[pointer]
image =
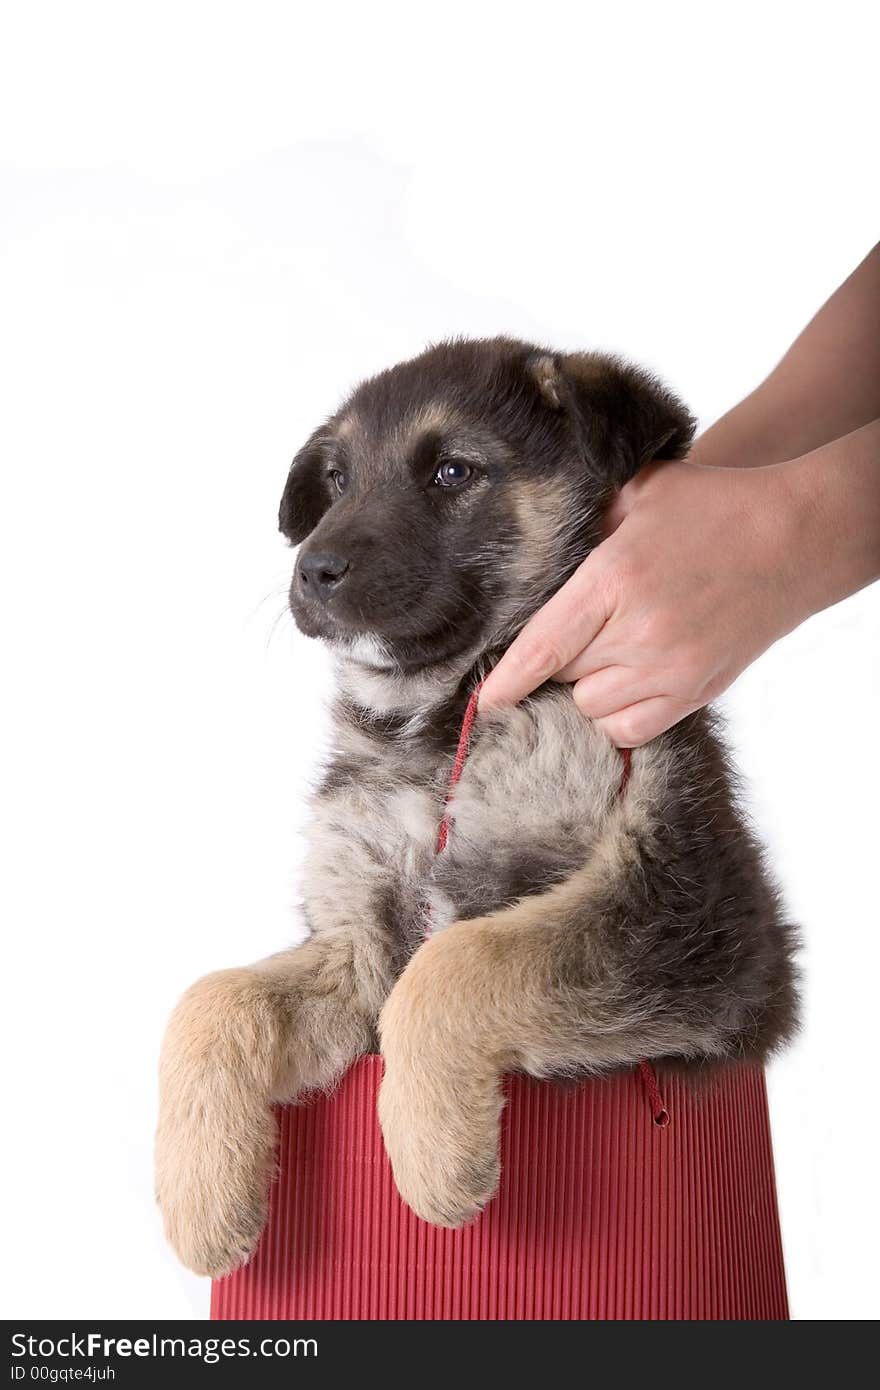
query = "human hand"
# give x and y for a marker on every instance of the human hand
(698, 576)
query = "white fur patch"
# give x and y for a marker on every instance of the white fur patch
(387, 690)
(368, 650)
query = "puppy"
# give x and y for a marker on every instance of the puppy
(575, 929)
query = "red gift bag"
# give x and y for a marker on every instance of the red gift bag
(617, 1200)
(601, 1214)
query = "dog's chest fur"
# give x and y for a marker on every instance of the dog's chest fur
(654, 900)
(537, 785)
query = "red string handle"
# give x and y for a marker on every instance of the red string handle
(649, 1079)
(461, 752)
(659, 1113)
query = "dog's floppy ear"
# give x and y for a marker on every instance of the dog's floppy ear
(621, 416)
(306, 495)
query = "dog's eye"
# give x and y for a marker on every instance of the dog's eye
(453, 473)
(339, 479)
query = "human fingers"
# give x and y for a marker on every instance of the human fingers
(566, 624)
(613, 688)
(603, 653)
(640, 722)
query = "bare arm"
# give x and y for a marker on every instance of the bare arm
(708, 563)
(826, 385)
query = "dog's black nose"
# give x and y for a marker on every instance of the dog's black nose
(321, 572)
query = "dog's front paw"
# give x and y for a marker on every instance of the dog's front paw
(211, 1186)
(445, 1167)
(216, 1136)
(439, 1104)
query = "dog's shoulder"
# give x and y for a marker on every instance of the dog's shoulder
(540, 759)
(541, 772)
(535, 789)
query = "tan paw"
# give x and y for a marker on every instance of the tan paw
(440, 1102)
(445, 1168)
(212, 1187)
(216, 1136)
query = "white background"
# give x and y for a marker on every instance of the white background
(214, 220)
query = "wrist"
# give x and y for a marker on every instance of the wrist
(800, 537)
(780, 534)
(829, 508)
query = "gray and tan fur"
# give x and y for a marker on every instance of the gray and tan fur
(575, 930)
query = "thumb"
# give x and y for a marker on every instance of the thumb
(616, 512)
(623, 501)
(549, 641)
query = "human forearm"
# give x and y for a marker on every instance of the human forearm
(826, 386)
(835, 497)
(706, 568)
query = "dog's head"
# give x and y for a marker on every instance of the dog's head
(452, 494)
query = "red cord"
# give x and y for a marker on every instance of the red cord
(649, 1080)
(655, 1100)
(461, 753)
(626, 756)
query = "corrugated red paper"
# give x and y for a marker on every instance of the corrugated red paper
(600, 1214)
